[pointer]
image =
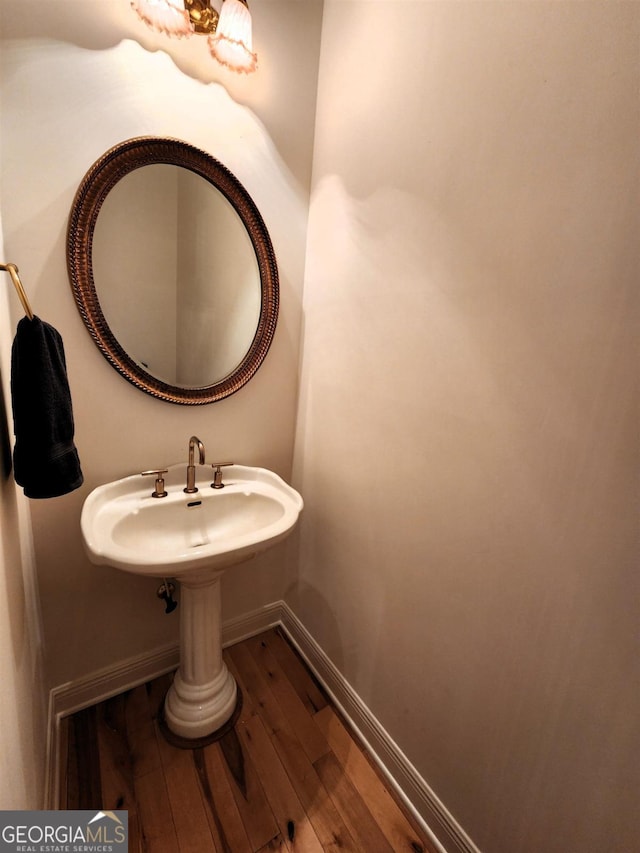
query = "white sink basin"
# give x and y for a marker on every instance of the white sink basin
(192, 537)
(125, 527)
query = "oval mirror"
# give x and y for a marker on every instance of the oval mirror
(173, 270)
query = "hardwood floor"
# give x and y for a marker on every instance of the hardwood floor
(288, 777)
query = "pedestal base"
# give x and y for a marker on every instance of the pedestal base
(194, 711)
(198, 743)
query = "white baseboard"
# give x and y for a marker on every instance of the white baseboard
(91, 689)
(447, 835)
(434, 818)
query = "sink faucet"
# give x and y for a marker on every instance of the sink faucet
(191, 467)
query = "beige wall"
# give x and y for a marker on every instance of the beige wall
(467, 437)
(23, 705)
(76, 81)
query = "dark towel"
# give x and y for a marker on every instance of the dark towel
(45, 459)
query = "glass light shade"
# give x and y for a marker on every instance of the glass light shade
(164, 16)
(232, 44)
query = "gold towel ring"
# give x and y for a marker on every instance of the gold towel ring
(12, 269)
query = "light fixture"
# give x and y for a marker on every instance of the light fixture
(231, 43)
(229, 33)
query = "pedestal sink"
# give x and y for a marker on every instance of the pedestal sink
(194, 538)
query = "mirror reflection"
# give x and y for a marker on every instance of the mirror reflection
(184, 297)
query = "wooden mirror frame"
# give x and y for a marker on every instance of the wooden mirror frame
(115, 164)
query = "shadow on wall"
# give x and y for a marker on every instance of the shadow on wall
(5, 442)
(14, 593)
(304, 598)
(81, 24)
(104, 26)
(24, 711)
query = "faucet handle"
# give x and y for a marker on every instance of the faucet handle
(217, 474)
(159, 491)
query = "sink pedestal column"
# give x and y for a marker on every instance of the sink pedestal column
(204, 695)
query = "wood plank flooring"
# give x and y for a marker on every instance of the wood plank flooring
(288, 777)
